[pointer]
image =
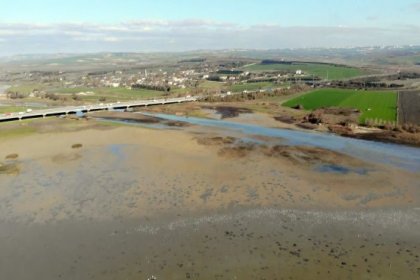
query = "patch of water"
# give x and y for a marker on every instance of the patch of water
(400, 156)
(139, 123)
(339, 169)
(3, 88)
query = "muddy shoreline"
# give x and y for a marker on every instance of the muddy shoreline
(337, 121)
(247, 245)
(131, 201)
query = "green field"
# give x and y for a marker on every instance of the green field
(11, 109)
(381, 105)
(206, 85)
(26, 88)
(250, 86)
(211, 85)
(323, 71)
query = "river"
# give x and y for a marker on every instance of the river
(400, 156)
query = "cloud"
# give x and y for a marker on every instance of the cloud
(189, 34)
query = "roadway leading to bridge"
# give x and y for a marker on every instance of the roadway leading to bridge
(59, 111)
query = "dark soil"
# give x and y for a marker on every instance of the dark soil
(285, 119)
(229, 111)
(216, 141)
(409, 107)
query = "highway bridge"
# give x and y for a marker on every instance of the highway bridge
(60, 111)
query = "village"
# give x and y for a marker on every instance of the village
(180, 79)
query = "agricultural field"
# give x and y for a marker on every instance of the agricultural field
(379, 105)
(409, 107)
(323, 71)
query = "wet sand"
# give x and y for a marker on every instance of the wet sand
(132, 202)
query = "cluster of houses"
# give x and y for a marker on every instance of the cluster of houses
(176, 77)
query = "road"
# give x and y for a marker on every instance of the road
(58, 111)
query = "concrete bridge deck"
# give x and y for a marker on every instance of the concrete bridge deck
(58, 111)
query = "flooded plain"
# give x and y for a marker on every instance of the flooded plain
(203, 202)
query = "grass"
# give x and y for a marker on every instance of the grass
(111, 94)
(381, 105)
(322, 71)
(11, 109)
(7, 132)
(206, 85)
(211, 85)
(250, 86)
(26, 88)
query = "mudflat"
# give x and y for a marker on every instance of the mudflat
(129, 202)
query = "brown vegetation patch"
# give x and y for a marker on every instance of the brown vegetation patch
(307, 126)
(216, 141)
(229, 111)
(396, 137)
(238, 151)
(340, 129)
(76, 146)
(286, 119)
(12, 156)
(177, 124)
(332, 116)
(308, 155)
(9, 169)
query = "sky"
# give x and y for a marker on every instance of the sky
(77, 26)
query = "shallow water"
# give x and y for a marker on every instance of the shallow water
(123, 211)
(399, 156)
(334, 168)
(3, 88)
